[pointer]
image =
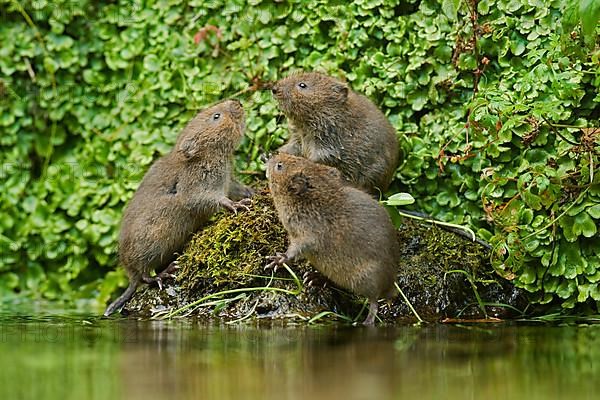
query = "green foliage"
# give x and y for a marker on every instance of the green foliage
(93, 92)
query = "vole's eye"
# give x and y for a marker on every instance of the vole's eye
(279, 166)
(302, 85)
(216, 116)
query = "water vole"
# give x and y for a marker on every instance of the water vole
(343, 232)
(333, 125)
(179, 193)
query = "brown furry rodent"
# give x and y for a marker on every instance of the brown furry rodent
(340, 230)
(332, 125)
(180, 192)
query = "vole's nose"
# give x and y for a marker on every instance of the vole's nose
(235, 107)
(275, 90)
(264, 157)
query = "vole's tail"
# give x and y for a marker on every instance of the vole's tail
(122, 299)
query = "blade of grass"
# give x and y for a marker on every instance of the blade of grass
(416, 314)
(323, 314)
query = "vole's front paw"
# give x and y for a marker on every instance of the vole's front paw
(314, 279)
(276, 261)
(234, 206)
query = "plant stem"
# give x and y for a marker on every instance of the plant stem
(557, 218)
(416, 314)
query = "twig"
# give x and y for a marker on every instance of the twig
(458, 229)
(30, 70)
(553, 127)
(559, 217)
(472, 4)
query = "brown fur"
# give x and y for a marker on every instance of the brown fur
(332, 125)
(179, 193)
(341, 231)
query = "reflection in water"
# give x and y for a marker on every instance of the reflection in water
(89, 358)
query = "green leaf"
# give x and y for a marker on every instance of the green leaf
(531, 244)
(528, 275)
(566, 223)
(9, 280)
(595, 292)
(151, 63)
(572, 260)
(566, 289)
(450, 8)
(534, 201)
(584, 292)
(399, 199)
(594, 211)
(526, 216)
(589, 11)
(584, 224)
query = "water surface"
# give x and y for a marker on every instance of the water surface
(85, 357)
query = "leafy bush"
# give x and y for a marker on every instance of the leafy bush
(495, 102)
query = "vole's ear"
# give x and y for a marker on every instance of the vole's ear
(188, 147)
(340, 90)
(298, 184)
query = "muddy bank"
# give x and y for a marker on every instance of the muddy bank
(441, 274)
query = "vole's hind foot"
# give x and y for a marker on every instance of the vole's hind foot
(153, 279)
(373, 307)
(314, 279)
(276, 261)
(167, 273)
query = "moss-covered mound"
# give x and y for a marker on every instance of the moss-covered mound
(222, 276)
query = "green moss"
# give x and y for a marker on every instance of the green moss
(430, 255)
(232, 251)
